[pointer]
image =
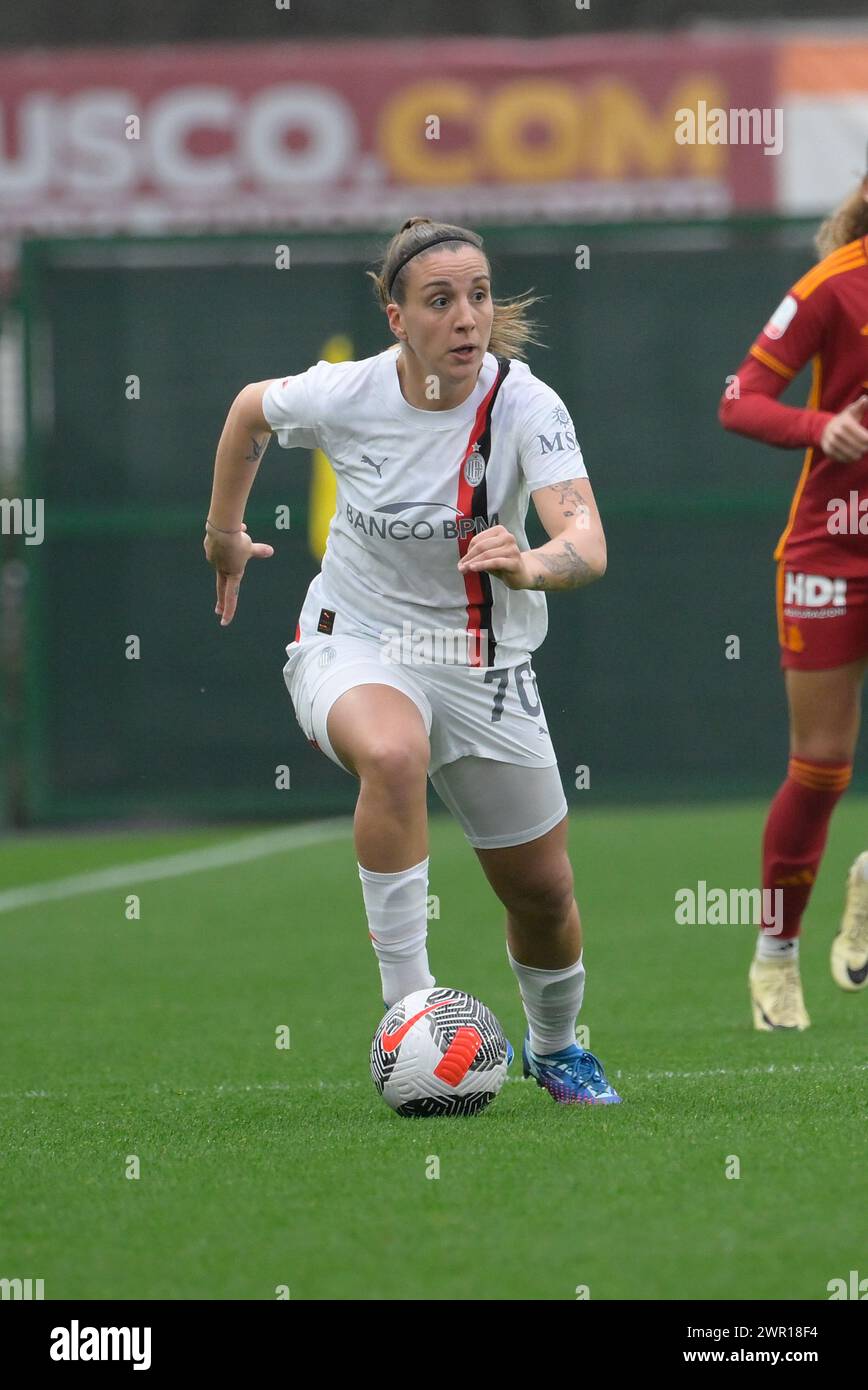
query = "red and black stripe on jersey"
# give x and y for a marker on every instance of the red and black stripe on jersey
(472, 501)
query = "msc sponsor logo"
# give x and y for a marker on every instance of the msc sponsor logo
(557, 444)
(451, 528)
(815, 591)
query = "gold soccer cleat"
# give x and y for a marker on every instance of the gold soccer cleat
(849, 960)
(776, 995)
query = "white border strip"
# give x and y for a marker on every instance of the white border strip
(194, 861)
(344, 1084)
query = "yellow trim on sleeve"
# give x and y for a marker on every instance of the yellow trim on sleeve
(848, 257)
(769, 361)
(813, 402)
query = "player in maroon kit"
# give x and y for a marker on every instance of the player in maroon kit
(822, 593)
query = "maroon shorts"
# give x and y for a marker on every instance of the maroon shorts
(822, 618)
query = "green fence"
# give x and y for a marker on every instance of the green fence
(634, 673)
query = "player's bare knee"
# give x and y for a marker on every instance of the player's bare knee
(397, 766)
(824, 750)
(546, 898)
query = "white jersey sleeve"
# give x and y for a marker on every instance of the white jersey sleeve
(290, 407)
(548, 450)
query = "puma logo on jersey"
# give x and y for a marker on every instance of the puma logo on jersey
(371, 464)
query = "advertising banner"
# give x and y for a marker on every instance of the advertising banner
(352, 134)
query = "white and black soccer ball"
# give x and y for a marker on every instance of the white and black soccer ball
(439, 1052)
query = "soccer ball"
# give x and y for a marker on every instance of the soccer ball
(439, 1052)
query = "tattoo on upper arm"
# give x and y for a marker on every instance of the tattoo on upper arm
(564, 563)
(573, 508)
(568, 498)
(258, 445)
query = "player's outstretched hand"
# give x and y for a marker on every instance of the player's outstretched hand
(844, 438)
(229, 556)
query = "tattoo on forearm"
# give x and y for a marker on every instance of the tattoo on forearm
(565, 563)
(258, 445)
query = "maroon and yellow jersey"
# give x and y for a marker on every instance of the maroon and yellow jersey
(824, 320)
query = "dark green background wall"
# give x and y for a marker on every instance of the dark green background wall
(126, 21)
(634, 674)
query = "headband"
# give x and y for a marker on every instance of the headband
(441, 236)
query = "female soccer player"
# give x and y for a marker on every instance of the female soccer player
(412, 654)
(822, 592)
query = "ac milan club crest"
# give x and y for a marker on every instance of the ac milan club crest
(474, 468)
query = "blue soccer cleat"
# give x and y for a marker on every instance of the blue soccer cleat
(571, 1076)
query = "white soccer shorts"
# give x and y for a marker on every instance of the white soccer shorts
(492, 762)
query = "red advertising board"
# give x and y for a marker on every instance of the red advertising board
(366, 133)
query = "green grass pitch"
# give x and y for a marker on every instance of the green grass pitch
(262, 1168)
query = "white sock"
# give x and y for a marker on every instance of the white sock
(397, 910)
(552, 1000)
(773, 948)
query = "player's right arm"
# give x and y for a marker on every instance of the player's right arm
(795, 333)
(245, 437)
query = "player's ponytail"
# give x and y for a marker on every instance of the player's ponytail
(847, 223)
(511, 330)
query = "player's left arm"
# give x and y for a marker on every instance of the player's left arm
(574, 556)
(576, 553)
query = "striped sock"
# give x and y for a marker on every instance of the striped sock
(796, 832)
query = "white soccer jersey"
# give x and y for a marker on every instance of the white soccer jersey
(413, 487)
